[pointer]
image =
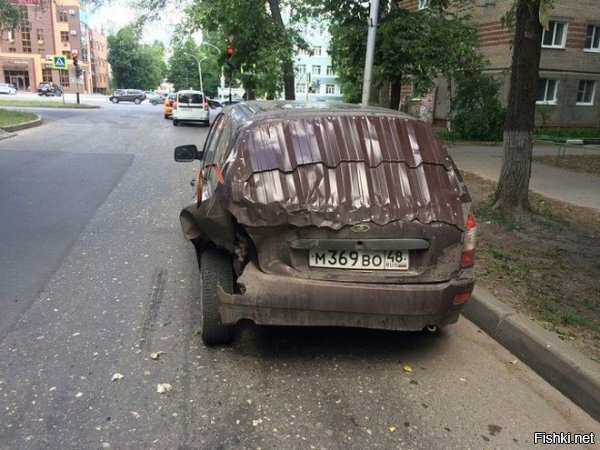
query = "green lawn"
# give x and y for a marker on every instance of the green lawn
(8, 118)
(42, 103)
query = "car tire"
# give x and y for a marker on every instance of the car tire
(115, 100)
(137, 101)
(215, 270)
(166, 116)
(175, 122)
(207, 123)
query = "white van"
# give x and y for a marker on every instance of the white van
(190, 106)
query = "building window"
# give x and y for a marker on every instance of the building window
(66, 54)
(555, 35)
(301, 68)
(330, 89)
(64, 36)
(26, 39)
(301, 88)
(585, 93)
(47, 75)
(12, 50)
(316, 70)
(317, 51)
(63, 16)
(422, 4)
(546, 93)
(302, 52)
(329, 70)
(592, 39)
(64, 78)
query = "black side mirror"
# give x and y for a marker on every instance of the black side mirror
(188, 153)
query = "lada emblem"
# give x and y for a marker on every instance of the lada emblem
(360, 228)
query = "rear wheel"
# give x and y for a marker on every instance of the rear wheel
(215, 270)
(207, 123)
(175, 122)
(166, 116)
(137, 101)
(115, 100)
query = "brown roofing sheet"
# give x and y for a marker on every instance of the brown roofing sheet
(336, 170)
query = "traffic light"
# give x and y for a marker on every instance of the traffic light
(76, 68)
(229, 51)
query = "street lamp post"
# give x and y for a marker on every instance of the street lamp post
(199, 71)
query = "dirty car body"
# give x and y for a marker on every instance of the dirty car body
(332, 215)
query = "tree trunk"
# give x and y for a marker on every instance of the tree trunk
(384, 94)
(396, 85)
(512, 193)
(449, 114)
(287, 64)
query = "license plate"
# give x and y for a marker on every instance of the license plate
(359, 259)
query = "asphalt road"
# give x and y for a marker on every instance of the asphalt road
(92, 249)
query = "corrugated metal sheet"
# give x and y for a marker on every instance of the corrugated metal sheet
(330, 171)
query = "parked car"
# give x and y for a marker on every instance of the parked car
(168, 105)
(327, 215)
(190, 106)
(235, 101)
(214, 104)
(49, 89)
(153, 97)
(6, 88)
(128, 95)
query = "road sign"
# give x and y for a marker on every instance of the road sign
(59, 62)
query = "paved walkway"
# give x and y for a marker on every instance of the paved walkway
(575, 188)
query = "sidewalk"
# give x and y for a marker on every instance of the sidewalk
(576, 188)
(558, 362)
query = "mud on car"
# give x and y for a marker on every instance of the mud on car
(327, 215)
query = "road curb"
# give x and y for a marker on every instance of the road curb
(22, 126)
(558, 362)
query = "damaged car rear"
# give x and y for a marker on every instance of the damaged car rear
(327, 215)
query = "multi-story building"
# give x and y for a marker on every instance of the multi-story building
(98, 62)
(315, 79)
(54, 28)
(568, 92)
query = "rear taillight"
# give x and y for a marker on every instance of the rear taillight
(461, 299)
(467, 258)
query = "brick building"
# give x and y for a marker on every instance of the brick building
(56, 27)
(568, 91)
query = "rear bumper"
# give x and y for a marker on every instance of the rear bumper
(280, 300)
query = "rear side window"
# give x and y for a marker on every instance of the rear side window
(191, 98)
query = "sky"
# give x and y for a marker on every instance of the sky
(117, 14)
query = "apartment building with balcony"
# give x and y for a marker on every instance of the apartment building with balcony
(59, 27)
(569, 85)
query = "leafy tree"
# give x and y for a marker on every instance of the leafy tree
(10, 16)
(478, 114)
(416, 44)
(183, 68)
(261, 39)
(135, 65)
(512, 193)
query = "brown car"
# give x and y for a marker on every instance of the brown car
(332, 215)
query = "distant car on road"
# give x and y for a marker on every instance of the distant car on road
(168, 105)
(318, 214)
(153, 97)
(190, 106)
(128, 95)
(49, 89)
(6, 88)
(235, 101)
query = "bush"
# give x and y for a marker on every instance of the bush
(478, 114)
(573, 133)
